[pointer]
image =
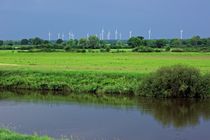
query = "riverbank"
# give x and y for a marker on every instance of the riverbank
(70, 82)
(9, 135)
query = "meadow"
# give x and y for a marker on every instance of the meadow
(127, 62)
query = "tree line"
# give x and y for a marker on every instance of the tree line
(94, 42)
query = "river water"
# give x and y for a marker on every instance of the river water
(147, 119)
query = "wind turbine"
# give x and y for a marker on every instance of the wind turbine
(49, 35)
(102, 34)
(62, 36)
(181, 34)
(120, 35)
(72, 36)
(59, 36)
(149, 33)
(69, 35)
(88, 36)
(130, 34)
(108, 35)
(116, 34)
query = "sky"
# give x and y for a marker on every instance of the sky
(36, 18)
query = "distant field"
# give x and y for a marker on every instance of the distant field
(102, 62)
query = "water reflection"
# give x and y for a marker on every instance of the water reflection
(176, 112)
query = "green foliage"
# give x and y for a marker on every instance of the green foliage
(175, 43)
(177, 50)
(105, 49)
(93, 42)
(167, 49)
(143, 49)
(68, 82)
(1, 42)
(135, 41)
(24, 42)
(175, 81)
(36, 41)
(9, 135)
(59, 41)
(196, 41)
(72, 43)
(83, 43)
(160, 43)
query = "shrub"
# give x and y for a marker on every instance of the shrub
(175, 81)
(143, 49)
(177, 50)
(167, 49)
(106, 49)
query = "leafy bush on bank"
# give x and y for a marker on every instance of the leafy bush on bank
(175, 81)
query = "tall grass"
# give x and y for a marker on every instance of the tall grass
(9, 135)
(71, 82)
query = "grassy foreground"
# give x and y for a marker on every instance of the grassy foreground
(9, 135)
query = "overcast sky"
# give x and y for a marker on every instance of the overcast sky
(30, 18)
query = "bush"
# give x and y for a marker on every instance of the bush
(106, 49)
(175, 81)
(177, 50)
(143, 49)
(167, 49)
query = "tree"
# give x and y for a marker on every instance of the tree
(135, 41)
(150, 43)
(195, 41)
(208, 42)
(59, 41)
(72, 43)
(24, 42)
(83, 43)
(93, 42)
(1, 42)
(140, 37)
(160, 43)
(10, 43)
(175, 42)
(35, 41)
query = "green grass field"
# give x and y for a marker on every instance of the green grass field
(102, 62)
(110, 73)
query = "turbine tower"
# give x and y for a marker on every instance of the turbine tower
(72, 36)
(88, 36)
(59, 36)
(116, 34)
(62, 36)
(102, 34)
(181, 34)
(120, 35)
(69, 35)
(49, 36)
(130, 34)
(108, 35)
(149, 33)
